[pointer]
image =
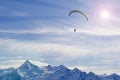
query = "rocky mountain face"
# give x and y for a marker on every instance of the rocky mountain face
(29, 71)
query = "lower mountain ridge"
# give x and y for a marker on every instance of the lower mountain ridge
(29, 71)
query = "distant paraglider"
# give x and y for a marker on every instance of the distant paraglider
(74, 30)
(78, 11)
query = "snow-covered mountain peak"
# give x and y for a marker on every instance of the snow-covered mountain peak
(91, 73)
(27, 61)
(49, 68)
(75, 69)
(27, 65)
(61, 67)
(114, 74)
(29, 71)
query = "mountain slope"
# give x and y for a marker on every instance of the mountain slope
(10, 74)
(29, 71)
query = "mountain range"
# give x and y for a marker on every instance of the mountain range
(29, 71)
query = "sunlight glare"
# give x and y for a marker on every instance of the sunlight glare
(104, 14)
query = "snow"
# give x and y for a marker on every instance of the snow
(29, 71)
(20, 73)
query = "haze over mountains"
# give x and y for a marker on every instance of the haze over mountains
(29, 71)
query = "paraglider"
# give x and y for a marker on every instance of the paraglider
(74, 30)
(78, 11)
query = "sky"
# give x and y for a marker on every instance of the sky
(41, 31)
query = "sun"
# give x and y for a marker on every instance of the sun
(104, 14)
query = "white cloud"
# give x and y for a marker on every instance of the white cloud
(42, 30)
(58, 48)
(42, 48)
(97, 28)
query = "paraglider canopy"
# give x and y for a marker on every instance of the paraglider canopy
(78, 11)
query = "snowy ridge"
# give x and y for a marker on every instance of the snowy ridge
(29, 71)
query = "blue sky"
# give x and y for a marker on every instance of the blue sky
(41, 31)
